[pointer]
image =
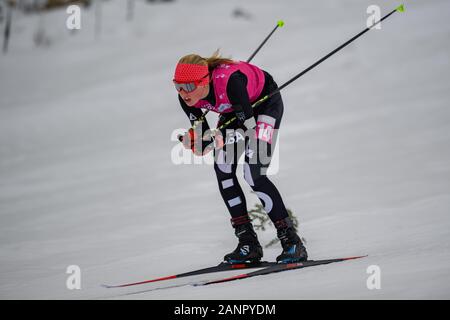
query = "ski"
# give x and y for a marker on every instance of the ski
(219, 268)
(278, 268)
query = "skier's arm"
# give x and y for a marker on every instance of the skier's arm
(190, 137)
(192, 113)
(238, 96)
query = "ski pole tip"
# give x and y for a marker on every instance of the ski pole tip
(401, 8)
(280, 23)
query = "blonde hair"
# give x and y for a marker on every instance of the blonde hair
(212, 62)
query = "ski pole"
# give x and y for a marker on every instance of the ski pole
(280, 23)
(400, 8)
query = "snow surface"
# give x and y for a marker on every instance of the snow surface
(86, 176)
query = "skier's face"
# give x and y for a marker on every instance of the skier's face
(191, 98)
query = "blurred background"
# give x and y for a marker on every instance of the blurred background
(86, 137)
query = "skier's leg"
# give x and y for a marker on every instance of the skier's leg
(229, 186)
(258, 156)
(225, 165)
(267, 192)
(255, 175)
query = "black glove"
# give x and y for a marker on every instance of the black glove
(240, 118)
(244, 122)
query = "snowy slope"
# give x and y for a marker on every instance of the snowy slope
(86, 176)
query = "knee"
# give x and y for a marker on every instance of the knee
(226, 176)
(223, 171)
(223, 167)
(254, 175)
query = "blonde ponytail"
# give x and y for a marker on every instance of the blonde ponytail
(216, 59)
(212, 62)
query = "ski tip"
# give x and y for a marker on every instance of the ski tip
(356, 257)
(400, 8)
(280, 23)
(106, 286)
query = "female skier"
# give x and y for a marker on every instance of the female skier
(229, 88)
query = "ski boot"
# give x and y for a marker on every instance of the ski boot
(293, 248)
(248, 250)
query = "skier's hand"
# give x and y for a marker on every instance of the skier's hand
(188, 139)
(244, 122)
(191, 140)
(240, 118)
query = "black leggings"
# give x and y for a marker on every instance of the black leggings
(255, 164)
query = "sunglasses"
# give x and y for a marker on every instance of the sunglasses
(188, 86)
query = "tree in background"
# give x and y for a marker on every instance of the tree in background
(261, 220)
